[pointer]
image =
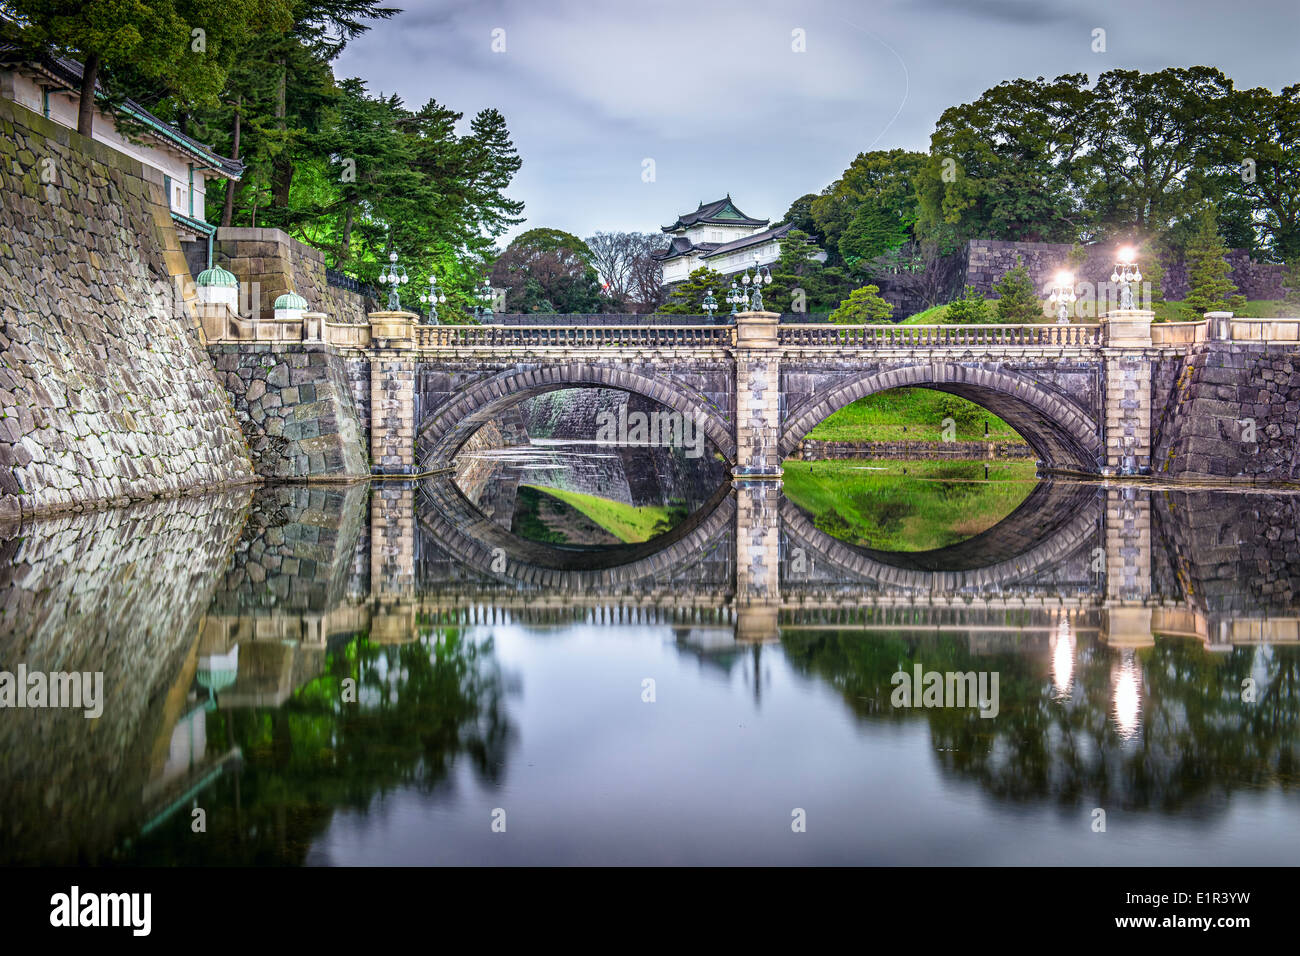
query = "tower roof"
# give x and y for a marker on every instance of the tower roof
(720, 211)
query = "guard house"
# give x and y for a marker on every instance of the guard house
(720, 236)
(51, 86)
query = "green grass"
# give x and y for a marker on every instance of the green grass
(629, 523)
(884, 416)
(938, 314)
(936, 504)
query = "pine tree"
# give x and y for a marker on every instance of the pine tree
(687, 298)
(1208, 272)
(1018, 302)
(863, 306)
(970, 309)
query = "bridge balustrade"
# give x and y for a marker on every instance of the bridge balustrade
(572, 336)
(939, 336)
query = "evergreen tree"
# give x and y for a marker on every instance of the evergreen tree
(864, 306)
(1208, 272)
(687, 296)
(1018, 302)
(970, 309)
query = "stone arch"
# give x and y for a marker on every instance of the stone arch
(446, 428)
(479, 543)
(1065, 436)
(1046, 528)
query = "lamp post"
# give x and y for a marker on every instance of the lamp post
(760, 277)
(394, 274)
(1126, 273)
(735, 297)
(433, 297)
(484, 295)
(1063, 297)
(710, 304)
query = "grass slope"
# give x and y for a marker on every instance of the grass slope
(936, 504)
(921, 411)
(628, 523)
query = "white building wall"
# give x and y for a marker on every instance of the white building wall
(63, 110)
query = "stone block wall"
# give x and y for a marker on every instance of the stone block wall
(988, 260)
(1232, 414)
(295, 407)
(277, 264)
(106, 394)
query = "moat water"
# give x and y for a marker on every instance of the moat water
(374, 675)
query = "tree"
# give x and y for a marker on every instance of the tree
(153, 40)
(970, 309)
(548, 270)
(1150, 137)
(623, 259)
(871, 233)
(1006, 165)
(1260, 152)
(863, 306)
(1210, 287)
(1018, 302)
(880, 180)
(687, 296)
(800, 216)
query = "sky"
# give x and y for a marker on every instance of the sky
(627, 113)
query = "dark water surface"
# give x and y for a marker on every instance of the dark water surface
(375, 674)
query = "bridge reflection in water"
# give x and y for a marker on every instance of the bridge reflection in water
(234, 622)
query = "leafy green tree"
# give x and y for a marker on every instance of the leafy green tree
(1018, 302)
(970, 309)
(871, 233)
(800, 216)
(1150, 137)
(686, 296)
(881, 180)
(864, 306)
(548, 270)
(1210, 287)
(1007, 165)
(184, 46)
(1260, 151)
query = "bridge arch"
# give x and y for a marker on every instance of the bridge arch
(1049, 526)
(479, 543)
(1064, 436)
(447, 427)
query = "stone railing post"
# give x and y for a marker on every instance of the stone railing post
(392, 393)
(1218, 326)
(758, 396)
(1127, 337)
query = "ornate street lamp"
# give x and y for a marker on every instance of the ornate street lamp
(758, 280)
(395, 275)
(1063, 297)
(433, 297)
(484, 295)
(735, 297)
(710, 304)
(1126, 273)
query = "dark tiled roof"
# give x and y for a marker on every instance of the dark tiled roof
(681, 246)
(776, 232)
(68, 72)
(715, 212)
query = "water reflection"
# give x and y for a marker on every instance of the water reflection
(363, 674)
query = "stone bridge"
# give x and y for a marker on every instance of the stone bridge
(1214, 398)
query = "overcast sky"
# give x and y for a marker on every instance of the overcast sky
(714, 94)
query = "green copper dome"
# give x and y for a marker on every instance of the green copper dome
(218, 277)
(291, 300)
